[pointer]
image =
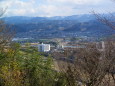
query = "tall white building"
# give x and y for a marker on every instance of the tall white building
(44, 47)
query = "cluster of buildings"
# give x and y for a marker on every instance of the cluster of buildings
(47, 47)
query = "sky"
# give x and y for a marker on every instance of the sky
(49, 8)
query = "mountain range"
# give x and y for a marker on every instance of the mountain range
(50, 27)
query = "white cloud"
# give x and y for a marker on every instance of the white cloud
(54, 7)
(18, 7)
(52, 10)
(76, 1)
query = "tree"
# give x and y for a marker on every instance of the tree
(110, 21)
(10, 70)
(90, 66)
(6, 33)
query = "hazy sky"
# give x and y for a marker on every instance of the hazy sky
(55, 7)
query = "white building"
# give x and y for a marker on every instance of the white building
(44, 47)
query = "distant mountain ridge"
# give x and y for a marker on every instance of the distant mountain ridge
(22, 19)
(67, 26)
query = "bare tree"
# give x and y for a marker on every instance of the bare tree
(2, 11)
(90, 66)
(110, 21)
(6, 33)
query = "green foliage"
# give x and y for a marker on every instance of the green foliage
(27, 67)
(10, 73)
(38, 69)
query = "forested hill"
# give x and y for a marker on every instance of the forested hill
(70, 26)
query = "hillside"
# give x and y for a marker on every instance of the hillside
(48, 27)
